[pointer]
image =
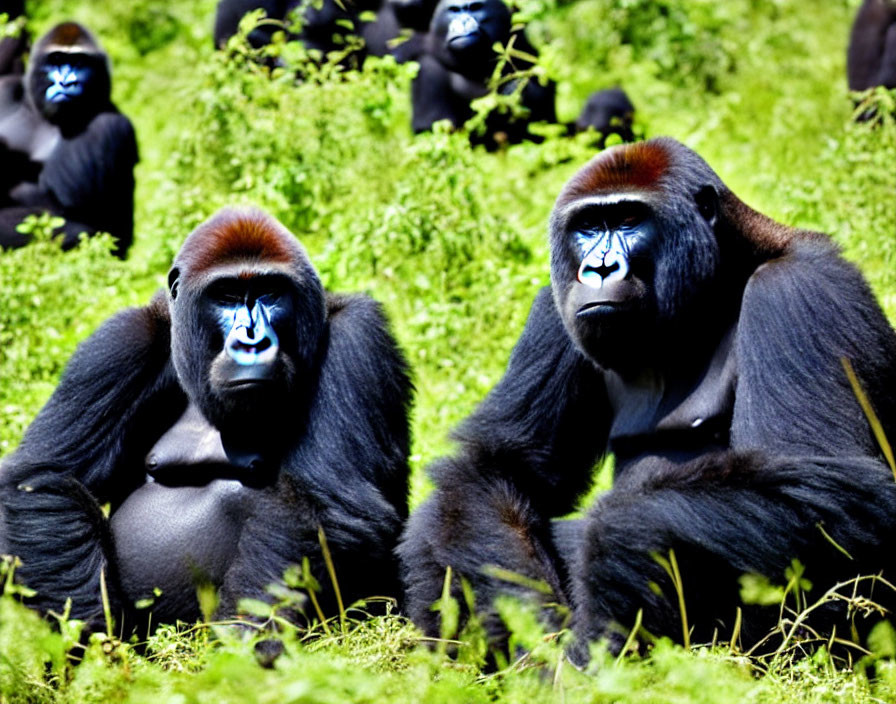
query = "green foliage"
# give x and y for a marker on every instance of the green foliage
(452, 241)
(51, 300)
(11, 28)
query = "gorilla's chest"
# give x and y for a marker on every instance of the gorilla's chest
(181, 528)
(659, 415)
(468, 88)
(191, 453)
(21, 130)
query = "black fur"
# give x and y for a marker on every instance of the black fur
(335, 440)
(448, 80)
(871, 58)
(607, 112)
(75, 162)
(730, 450)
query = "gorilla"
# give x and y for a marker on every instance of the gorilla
(325, 26)
(224, 424)
(608, 112)
(702, 344)
(12, 49)
(67, 148)
(871, 57)
(457, 63)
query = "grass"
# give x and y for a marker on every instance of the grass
(453, 242)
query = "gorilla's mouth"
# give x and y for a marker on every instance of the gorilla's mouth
(603, 307)
(464, 41)
(246, 383)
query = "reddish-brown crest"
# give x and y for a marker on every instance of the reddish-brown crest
(238, 235)
(767, 237)
(629, 167)
(66, 34)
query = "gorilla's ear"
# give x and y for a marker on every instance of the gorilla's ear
(173, 282)
(708, 204)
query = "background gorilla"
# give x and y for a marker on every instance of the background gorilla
(224, 424)
(12, 48)
(66, 148)
(458, 62)
(608, 112)
(871, 58)
(700, 342)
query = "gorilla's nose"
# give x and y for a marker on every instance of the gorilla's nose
(606, 261)
(252, 339)
(462, 26)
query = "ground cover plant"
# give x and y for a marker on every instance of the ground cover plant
(453, 242)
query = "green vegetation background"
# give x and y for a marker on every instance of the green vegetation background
(453, 242)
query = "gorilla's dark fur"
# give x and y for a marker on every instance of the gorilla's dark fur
(871, 58)
(456, 63)
(701, 343)
(225, 423)
(607, 112)
(65, 147)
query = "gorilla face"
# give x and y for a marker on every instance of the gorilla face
(70, 87)
(249, 313)
(241, 351)
(631, 273)
(248, 325)
(66, 82)
(467, 29)
(636, 261)
(605, 273)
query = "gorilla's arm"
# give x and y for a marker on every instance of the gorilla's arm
(803, 455)
(91, 176)
(86, 447)
(525, 454)
(348, 475)
(801, 314)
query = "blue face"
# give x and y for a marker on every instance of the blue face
(605, 251)
(250, 338)
(65, 82)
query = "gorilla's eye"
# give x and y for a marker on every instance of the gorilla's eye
(626, 215)
(229, 297)
(707, 203)
(173, 282)
(227, 291)
(475, 6)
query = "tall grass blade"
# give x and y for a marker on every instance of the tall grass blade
(869, 414)
(107, 608)
(671, 567)
(632, 636)
(331, 570)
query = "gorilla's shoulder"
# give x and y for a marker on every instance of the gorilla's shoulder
(343, 307)
(112, 129)
(143, 325)
(12, 90)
